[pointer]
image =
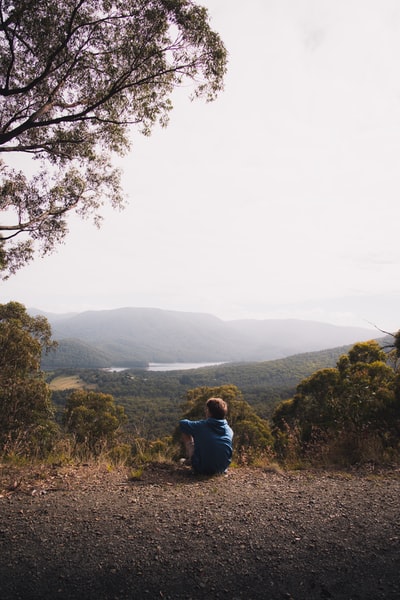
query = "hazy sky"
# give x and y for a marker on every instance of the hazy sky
(280, 199)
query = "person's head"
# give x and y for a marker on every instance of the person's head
(216, 408)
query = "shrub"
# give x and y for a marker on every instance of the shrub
(346, 415)
(94, 420)
(26, 411)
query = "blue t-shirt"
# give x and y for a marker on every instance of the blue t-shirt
(212, 444)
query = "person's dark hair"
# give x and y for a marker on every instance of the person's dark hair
(217, 408)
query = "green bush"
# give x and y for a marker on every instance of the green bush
(346, 415)
(93, 419)
(26, 412)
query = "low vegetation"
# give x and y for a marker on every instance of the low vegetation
(344, 413)
(66, 382)
(153, 400)
(347, 414)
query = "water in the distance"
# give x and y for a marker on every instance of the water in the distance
(166, 366)
(179, 366)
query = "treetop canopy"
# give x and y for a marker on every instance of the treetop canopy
(75, 75)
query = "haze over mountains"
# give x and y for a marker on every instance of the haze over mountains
(131, 336)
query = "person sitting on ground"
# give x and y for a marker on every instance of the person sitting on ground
(208, 443)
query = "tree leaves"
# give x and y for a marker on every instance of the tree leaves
(357, 400)
(26, 411)
(93, 418)
(74, 77)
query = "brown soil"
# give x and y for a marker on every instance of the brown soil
(93, 534)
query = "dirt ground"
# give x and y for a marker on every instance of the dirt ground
(92, 534)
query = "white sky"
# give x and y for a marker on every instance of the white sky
(280, 199)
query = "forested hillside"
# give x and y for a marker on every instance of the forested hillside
(153, 400)
(340, 405)
(130, 337)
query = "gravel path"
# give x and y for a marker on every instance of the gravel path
(252, 534)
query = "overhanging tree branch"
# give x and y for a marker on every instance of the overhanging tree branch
(73, 79)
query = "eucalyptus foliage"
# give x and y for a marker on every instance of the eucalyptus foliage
(75, 77)
(93, 418)
(358, 400)
(26, 411)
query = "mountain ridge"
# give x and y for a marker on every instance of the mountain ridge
(128, 336)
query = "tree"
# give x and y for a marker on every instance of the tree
(75, 76)
(366, 352)
(312, 406)
(355, 401)
(93, 418)
(26, 412)
(393, 347)
(367, 388)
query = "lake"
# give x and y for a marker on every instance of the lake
(167, 366)
(179, 366)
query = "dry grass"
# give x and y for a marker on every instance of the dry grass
(34, 478)
(67, 382)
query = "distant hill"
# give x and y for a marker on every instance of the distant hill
(129, 337)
